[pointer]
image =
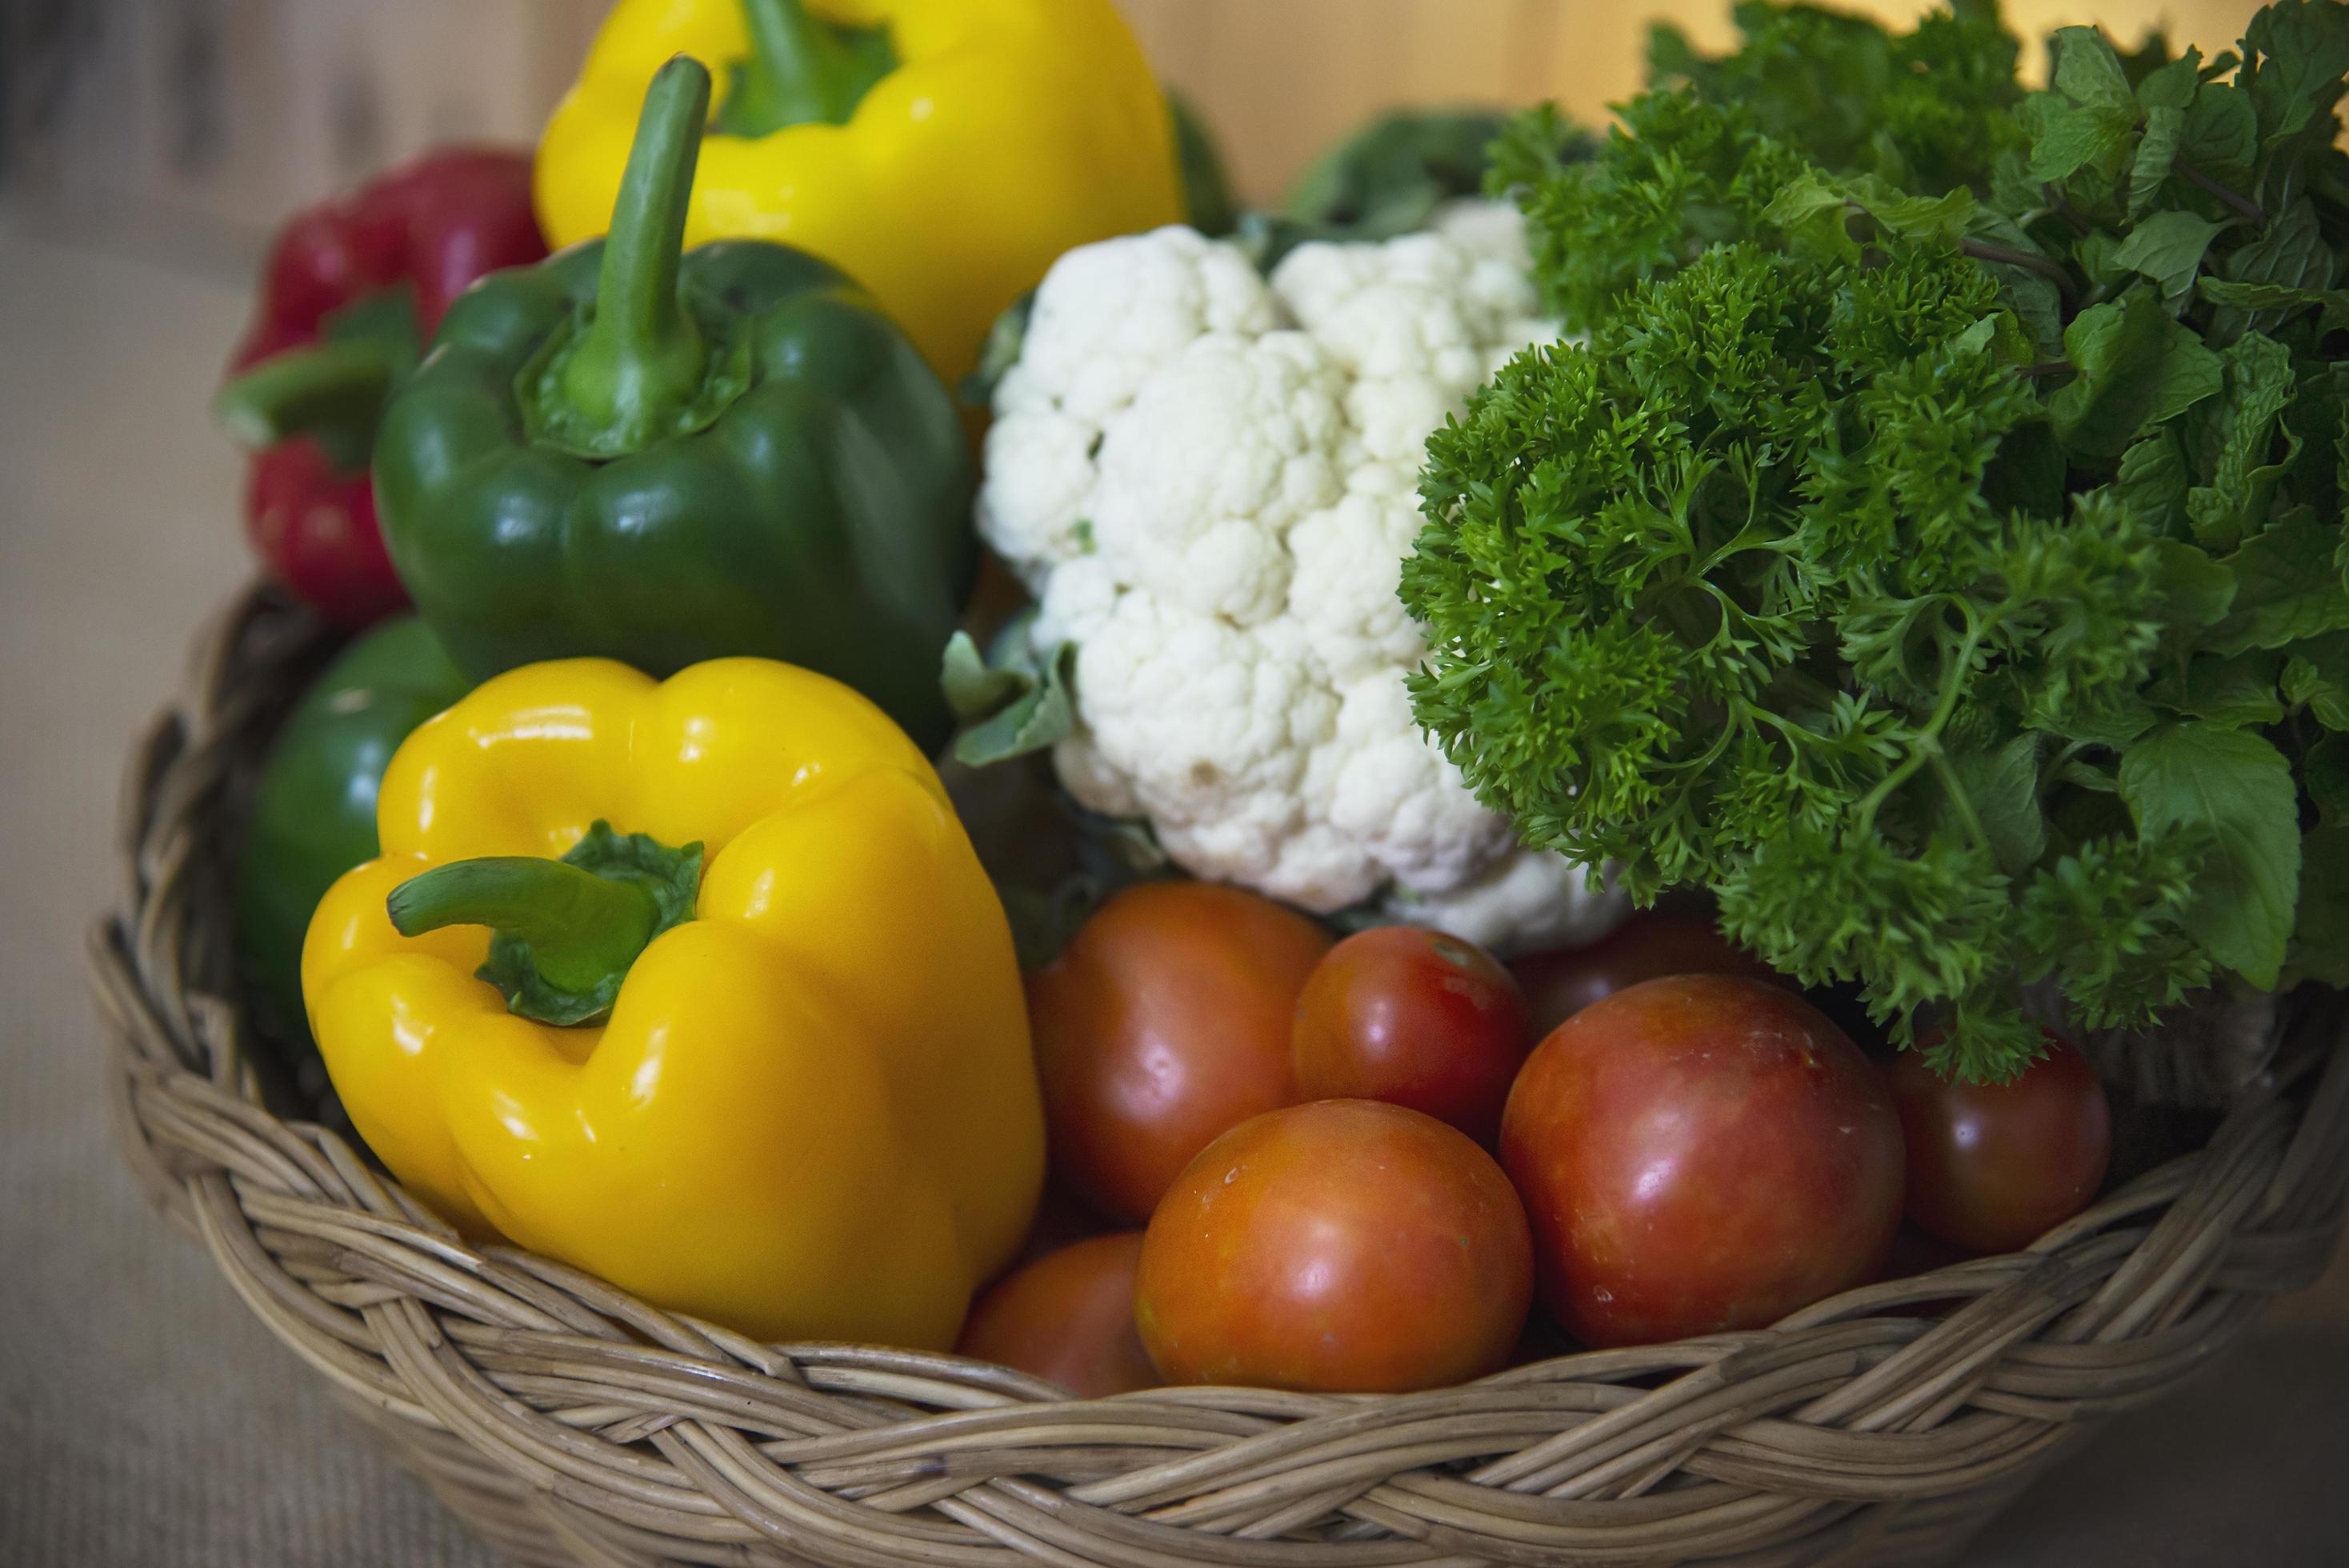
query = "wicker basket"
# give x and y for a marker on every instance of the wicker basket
(572, 1424)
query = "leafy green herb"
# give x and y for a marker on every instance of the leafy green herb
(1012, 702)
(1935, 544)
(1390, 177)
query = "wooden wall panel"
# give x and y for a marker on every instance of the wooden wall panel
(1278, 78)
(193, 124)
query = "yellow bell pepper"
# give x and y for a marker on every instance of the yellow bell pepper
(941, 152)
(811, 1111)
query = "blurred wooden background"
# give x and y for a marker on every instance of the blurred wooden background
(1278, 78)
(188, 125)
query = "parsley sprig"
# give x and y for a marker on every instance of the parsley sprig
(1934, 544)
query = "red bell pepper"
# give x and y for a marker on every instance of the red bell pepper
(351, 290)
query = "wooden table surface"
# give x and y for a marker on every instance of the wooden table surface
(148, 1418)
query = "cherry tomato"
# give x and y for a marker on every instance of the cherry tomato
(1413, 1017)
(1699, 1154)
(1994, 1167)
(1341, 1246)
(1165, 1023)
(1648, 947)
(1068, 1316)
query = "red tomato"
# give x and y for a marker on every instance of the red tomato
(1648, 947)
(1413, 1017)
(1994, 1167)
(1164, 1023)
(1068, 1316)
(1061, 1217)
(1700, 1154)
(1342, 1246)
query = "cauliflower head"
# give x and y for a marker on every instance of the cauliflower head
(1208, 480)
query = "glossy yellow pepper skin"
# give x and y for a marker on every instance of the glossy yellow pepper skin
(812, 1112)
(1008, 132)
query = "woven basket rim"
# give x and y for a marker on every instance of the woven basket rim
(573, 1423)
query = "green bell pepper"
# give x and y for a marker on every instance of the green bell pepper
(313, 815)
(664, 457)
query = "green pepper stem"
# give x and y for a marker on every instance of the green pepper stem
(582, 929)
(799, 61)
(327, 389)
(801, 70)
(642, 355)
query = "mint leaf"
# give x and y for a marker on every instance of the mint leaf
(1816, 211)
(2291, 254)
(2292, 251)
(2153, 480)
(2168, 248)
(2116, 724)
(2236, 690)
(2138, 367)
(2316, 677)
(2303, 51)
(2281, 298)
(2196, 591)
(2222, 132)
(1943, 218)
(2287, 587)
(2235, 441)
(2031, 295)
(2157, 155)
(2234, 788)
(2325, 771)
(2089, 71)
(2172, 86)
(1817, 217)
(2003, 788)
(2080, 137)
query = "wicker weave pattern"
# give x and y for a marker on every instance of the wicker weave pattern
(572, 1424)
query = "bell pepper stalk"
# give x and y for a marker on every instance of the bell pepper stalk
(809, 1110)
(664, 456)
(637, 367)
(350, 290)
(567, 930)
(800, 70)
(331, 392)
(941, 152)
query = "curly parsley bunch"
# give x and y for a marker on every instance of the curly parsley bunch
(1949, 574)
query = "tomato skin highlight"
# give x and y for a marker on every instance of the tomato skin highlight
(1343, 1246)
(1700, 1153)
(1994, 1167)
(1650, 945)
(1413, 1017)
(1165, 1023)
(1067, 1316)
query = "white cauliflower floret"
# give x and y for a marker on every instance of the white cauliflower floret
(1210, 480)
(1394, 794)
(1341, 591)
(1110, 315)
(1215, 460)
(1527, 899)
